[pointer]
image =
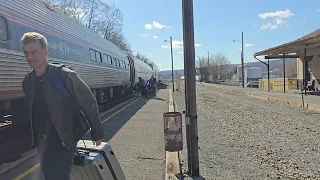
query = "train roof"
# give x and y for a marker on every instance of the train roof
(140, 62)
(42, 14)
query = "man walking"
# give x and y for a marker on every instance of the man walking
(57, 122)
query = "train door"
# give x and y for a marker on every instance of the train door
(132, 71)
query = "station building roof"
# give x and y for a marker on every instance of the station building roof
(310, 41)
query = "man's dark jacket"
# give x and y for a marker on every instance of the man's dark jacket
(72, 117)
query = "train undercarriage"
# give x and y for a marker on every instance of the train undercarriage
(12, 111)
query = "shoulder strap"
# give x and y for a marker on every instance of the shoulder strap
(59, 82)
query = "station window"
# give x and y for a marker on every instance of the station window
(92, 55)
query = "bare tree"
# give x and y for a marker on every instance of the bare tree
(104, 19)
(119, 40)
(112, 23)
(222, 63)
(145, 59)
(142, 57)
(203, 69)
(217, 67)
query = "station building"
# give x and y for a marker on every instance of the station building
(306, 50)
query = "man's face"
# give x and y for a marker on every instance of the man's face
(35, 54)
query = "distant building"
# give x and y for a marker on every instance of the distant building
(249, 72)
(271, 76)
(239, 70)
(254, 72)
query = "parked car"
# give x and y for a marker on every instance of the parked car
(252, 84)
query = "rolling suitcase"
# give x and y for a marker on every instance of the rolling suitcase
(98, 163)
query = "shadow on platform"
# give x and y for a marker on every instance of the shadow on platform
(115, 123)
(162, 86)
(314, 93)
(160, 99)
(14, 142)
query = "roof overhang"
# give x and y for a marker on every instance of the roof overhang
(309, 42)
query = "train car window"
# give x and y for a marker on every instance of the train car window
(122, 64)
(92, 55)
(114, 59)
(105, 59)
(98, 57)
(3, 30)
(109, 59)
(118, 62)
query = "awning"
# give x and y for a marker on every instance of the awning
(310, 41)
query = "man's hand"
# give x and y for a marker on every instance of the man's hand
(97, 143)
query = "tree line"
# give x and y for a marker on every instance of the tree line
(104, 19)
(214, 67)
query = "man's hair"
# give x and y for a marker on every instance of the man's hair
(33, 37)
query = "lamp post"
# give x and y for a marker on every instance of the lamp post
(242, 58)
(171, 63)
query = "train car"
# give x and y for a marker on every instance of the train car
(156, 73)
(142, 70)
(107, 70)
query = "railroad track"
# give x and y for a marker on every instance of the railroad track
(18, 146)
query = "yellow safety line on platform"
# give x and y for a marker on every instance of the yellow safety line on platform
(27, 172)
(120, 110)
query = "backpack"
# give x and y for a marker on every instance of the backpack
(58, 81)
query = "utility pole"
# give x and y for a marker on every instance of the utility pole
(208, 59)
(284, 74)
(242, 60)
(190, 88)
(172, 63)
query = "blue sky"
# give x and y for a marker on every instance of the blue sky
(216, 23)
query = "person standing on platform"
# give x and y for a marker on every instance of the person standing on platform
(142, 85)
(57, 122)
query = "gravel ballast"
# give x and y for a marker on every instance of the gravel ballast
(246, 138)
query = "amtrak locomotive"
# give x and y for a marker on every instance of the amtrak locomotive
(107, 70)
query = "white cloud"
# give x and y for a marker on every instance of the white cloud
(155, 37)
(145, 35)
(269, 25)
(279, 21)
(156, 25)
(178, 45)
(278, 17)
(164, 47)
(280, 14)
(248, 45)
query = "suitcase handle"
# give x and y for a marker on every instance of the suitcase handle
(86, 152)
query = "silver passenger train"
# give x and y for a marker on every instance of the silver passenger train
(107, 70)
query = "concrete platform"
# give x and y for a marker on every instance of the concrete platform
(294, 98)
(135, 132)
